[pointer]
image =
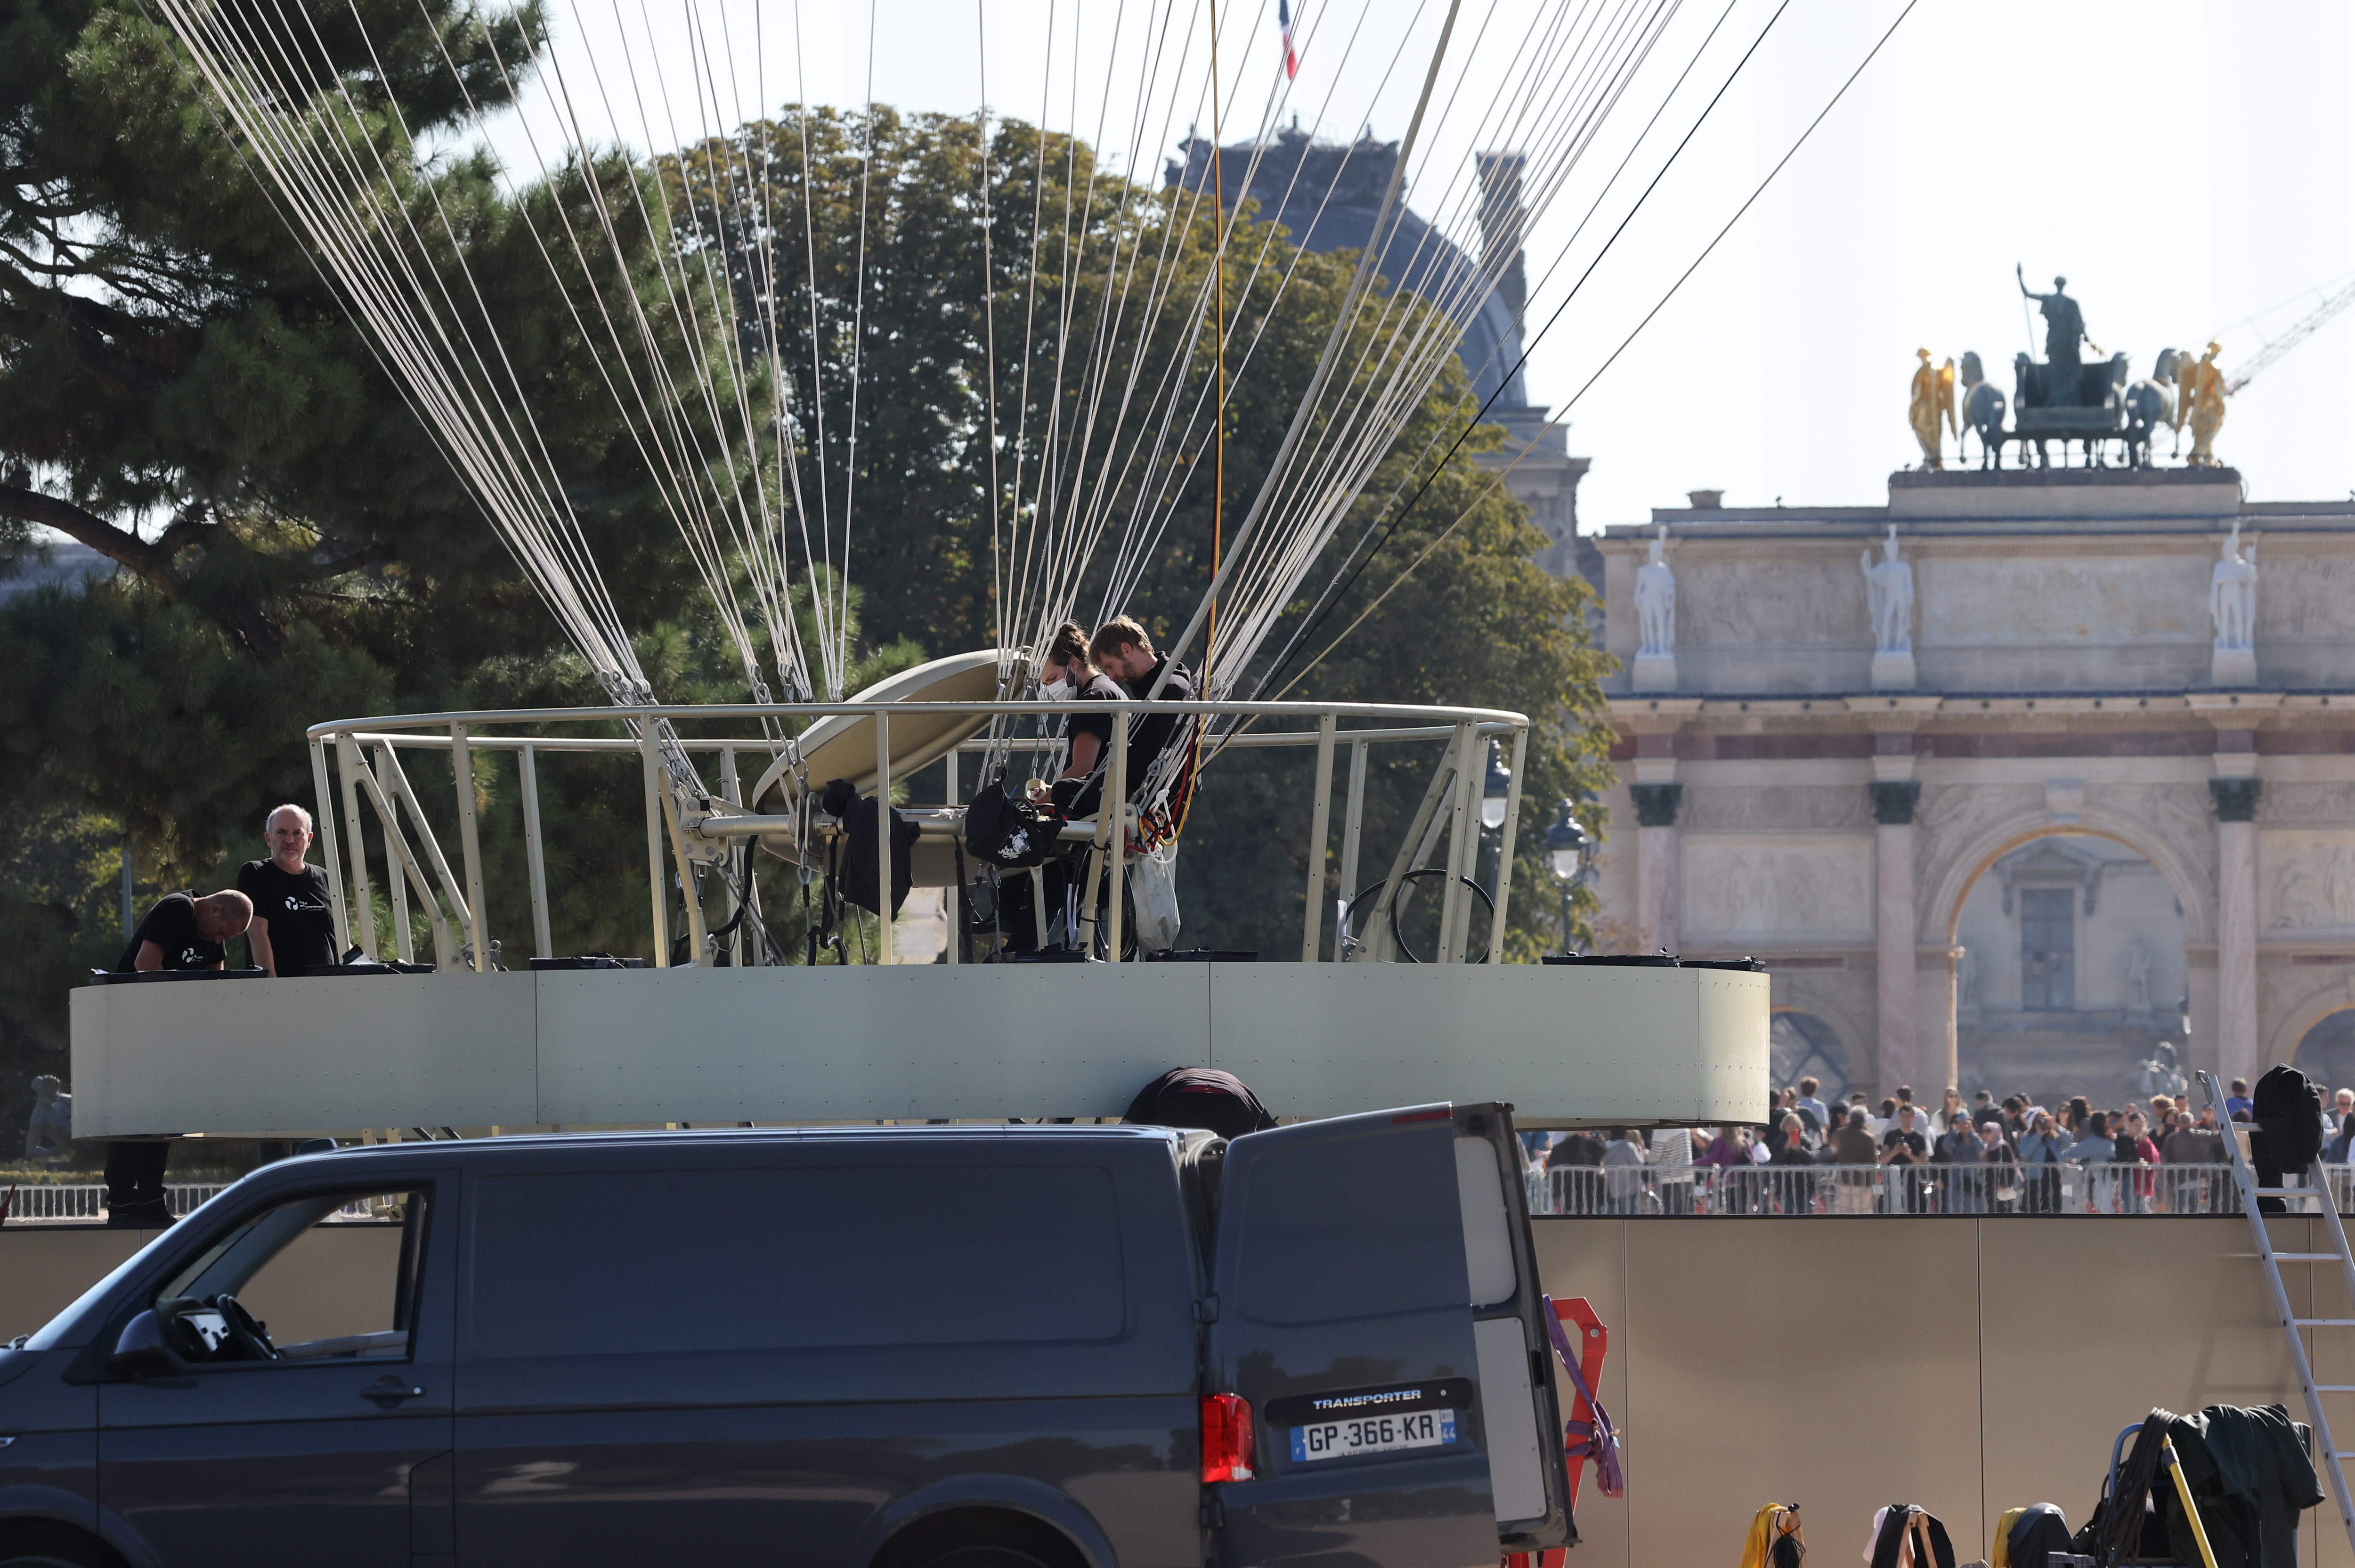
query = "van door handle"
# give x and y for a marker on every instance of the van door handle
(390, 1390)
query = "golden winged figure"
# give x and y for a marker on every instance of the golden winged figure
(1934, 401)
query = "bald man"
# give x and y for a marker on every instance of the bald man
(180, 931)
(184, 931)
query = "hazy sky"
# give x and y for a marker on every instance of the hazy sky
(2185, 165)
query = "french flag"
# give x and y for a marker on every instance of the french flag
(1291, 59)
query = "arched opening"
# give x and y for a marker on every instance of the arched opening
(2073, 973)
(1803, 1046)
(2325, 1053)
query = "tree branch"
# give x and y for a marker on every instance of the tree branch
(121, 546)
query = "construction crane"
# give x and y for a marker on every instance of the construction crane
(2305, 328)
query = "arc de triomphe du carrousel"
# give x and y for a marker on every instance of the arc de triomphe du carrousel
(2010, 780)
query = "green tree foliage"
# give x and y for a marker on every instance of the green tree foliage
(180, 391)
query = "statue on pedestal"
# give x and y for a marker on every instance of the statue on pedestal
(2233, 595)
(1889, 594)
(2065, 329)
(1656, 603)
(2137, 976)
(1656, 620)
(1933, 394)
(1889, 590)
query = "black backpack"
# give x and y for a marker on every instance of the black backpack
(1008, 832)
(1202, 1097)
(855, 879)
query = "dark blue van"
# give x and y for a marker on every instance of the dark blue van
(949, 1347)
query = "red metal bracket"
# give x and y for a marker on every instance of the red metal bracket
(1593, 1342)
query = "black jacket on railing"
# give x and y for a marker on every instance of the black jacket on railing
(2250, 1477)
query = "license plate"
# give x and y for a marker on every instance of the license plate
(1373, 1434)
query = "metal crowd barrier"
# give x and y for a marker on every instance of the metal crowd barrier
(84, 1204)
(1682, 1191)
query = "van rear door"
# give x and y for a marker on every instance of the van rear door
(1375, 1305)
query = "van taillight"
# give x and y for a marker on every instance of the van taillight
(1226, 1437)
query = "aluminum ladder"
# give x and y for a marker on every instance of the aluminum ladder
(2327, 1458)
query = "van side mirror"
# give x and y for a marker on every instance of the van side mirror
(142, 1351)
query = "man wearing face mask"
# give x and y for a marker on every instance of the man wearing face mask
(1067, 674)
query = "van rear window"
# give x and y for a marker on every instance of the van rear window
(831, 1257)
(1348, 1227)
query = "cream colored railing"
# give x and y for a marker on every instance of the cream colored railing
(682, 831)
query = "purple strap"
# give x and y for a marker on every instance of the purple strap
(1600, 1440)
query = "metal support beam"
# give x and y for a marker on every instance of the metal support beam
(407, 796)
(650, 767)
(1353, 823)
(883, 839)
(1463, 834)
(469, 846)
(1116, 802)
(690, 895)
(953, 898)
(732, 790)
(348, 763)
(329, 853)
(400, 858)
(1504, 849)
(1320, 824)
(397, 888)
(535, 854)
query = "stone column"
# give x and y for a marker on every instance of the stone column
(2236, 925)
(1892, 808)
(1934, 981)
(1655, 865)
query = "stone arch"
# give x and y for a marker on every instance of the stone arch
(1840, 1052)
(2332, 994)
(1959, 865)
(2313, 1064)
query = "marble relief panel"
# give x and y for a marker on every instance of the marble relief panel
(2306, 882)
(1741, 886)
(1722, 808)
(2305, 595)
(2332, 802)
(1982, 600)
(1741, 602)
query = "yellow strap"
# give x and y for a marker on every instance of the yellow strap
(2191, 1509)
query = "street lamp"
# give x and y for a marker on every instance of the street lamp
(1570, 850)
(1494, 786)
(1493, 789)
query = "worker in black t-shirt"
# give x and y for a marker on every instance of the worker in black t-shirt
(293, 922)
(184, 931)
(1066, 674)
(179, 933)
(1122, 650)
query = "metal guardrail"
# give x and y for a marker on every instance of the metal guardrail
(452, 896)
(84, 1204)
(1646, 1192)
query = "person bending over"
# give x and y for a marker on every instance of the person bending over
(294, 924)
(1122, 650)
(179, 933)
(1068, 676)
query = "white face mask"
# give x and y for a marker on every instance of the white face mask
(1055, 690)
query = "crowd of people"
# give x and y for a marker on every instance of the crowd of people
(1974, 1155)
